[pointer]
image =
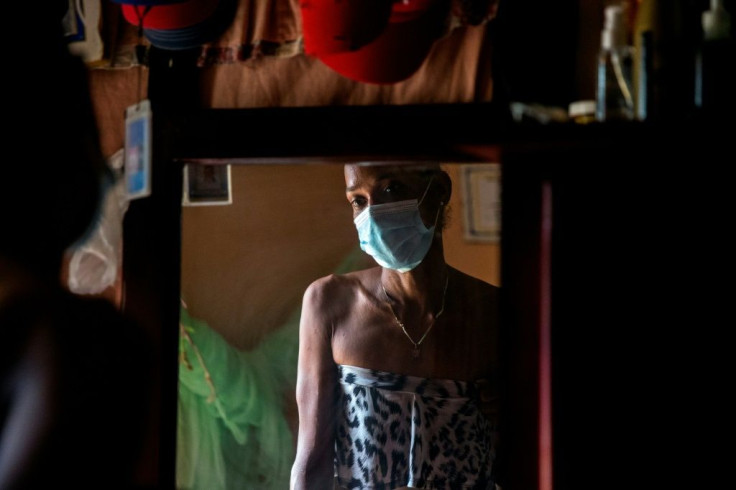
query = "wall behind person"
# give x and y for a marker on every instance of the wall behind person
(246, 265)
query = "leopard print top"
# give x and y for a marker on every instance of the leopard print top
(396, 431)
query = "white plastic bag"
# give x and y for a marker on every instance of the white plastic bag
(94, 263)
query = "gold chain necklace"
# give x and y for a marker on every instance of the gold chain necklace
(415, 351)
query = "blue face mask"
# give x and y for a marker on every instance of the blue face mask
(394, 233)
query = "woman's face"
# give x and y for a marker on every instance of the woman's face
(366, 185)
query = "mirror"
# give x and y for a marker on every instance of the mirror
(245, 266)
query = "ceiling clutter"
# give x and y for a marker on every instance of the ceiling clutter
(369, 41)
(403, 40)
(179, 25)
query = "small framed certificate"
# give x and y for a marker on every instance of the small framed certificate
(481, 187)
(206, 185)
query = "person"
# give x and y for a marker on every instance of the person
(74, 371)
(397, 368)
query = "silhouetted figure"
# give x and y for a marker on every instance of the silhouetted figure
(74, 372)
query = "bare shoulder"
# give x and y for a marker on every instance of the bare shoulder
(332, 297)
(333, 287)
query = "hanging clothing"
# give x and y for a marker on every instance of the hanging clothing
(232, 431)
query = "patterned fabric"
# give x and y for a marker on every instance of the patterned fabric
(397, 431)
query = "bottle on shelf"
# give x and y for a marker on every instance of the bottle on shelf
(714, 75)
(614, 95)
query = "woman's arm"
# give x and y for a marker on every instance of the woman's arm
(315, 393)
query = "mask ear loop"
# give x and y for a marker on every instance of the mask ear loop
(442, 203)
(437, 216)
(425, 191)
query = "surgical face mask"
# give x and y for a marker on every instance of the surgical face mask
(394, 233)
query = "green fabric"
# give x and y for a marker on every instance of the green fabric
(232, 432)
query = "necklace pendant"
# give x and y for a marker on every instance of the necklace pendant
(415, 353)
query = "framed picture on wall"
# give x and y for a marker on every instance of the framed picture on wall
(206, 185)
(481, 190)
